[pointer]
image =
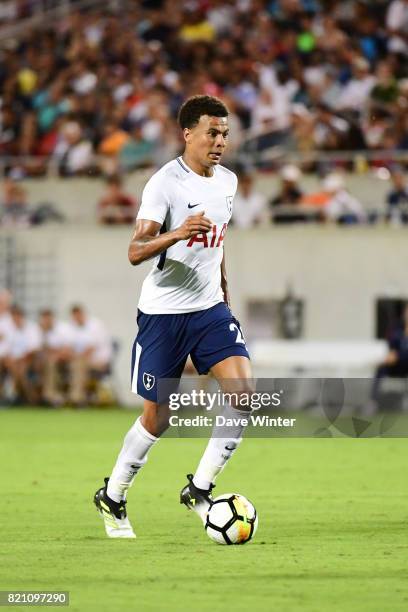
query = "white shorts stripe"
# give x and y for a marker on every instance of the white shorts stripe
(136, 368)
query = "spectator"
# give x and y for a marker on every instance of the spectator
(397, 26)
(25, 344)
(15, 211)
(116, 207)
(286, 203)
(250, 206)
(195, 26)
(395, 364)
(397, 198)
(91, 352)
(49, 105)
(341, 206)
(330, 131)
(385, 91)
(8, 10)
(330, 37)
(290, 191)
(6, 332)
(357, 91)
(301, 136)
(113, 140)
(73, 151)
(9, 131)
(375, 127)
(97, 70)
(137, 152)
(54, 357)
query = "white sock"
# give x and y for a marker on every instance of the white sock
(131, 458)
(224, 440)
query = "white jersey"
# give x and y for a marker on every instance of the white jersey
(186, 277)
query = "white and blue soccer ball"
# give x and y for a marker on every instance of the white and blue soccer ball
(231, 519)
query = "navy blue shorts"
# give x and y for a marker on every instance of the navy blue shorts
(164, 342)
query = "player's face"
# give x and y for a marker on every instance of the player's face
(206, 141)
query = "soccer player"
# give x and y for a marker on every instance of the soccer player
(184, 306)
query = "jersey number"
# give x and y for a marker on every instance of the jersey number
(240, 337)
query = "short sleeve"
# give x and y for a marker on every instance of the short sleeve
(155, 202)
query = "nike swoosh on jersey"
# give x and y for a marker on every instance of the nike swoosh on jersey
(194, 205)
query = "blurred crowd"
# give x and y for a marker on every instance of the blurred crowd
(50, 361)
(287, 201)
(99, 90)
(332, 201)
(12, 11)
(115, 207)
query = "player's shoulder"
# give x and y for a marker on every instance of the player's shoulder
(226, 174)
(172, 172)
(222, 170)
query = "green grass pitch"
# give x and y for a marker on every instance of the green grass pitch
(332, 532)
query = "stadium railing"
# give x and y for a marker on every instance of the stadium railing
(359, 161)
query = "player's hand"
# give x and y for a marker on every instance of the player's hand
(226, 296)
(193, 225)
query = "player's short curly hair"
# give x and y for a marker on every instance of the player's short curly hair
(196, 106)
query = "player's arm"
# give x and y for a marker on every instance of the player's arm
(224, 284)
(147, 242)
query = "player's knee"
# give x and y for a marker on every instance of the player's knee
(239, 393)
(155, 418)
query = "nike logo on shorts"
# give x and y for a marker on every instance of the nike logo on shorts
(194, 205)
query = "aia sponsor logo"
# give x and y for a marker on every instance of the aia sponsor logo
(212, 239)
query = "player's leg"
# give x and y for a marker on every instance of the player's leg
(110, 500)
(158, 353)
(223, 352)
(154, 357)
(234, 376)
(138, 441)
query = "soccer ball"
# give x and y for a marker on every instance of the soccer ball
(231, 519)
